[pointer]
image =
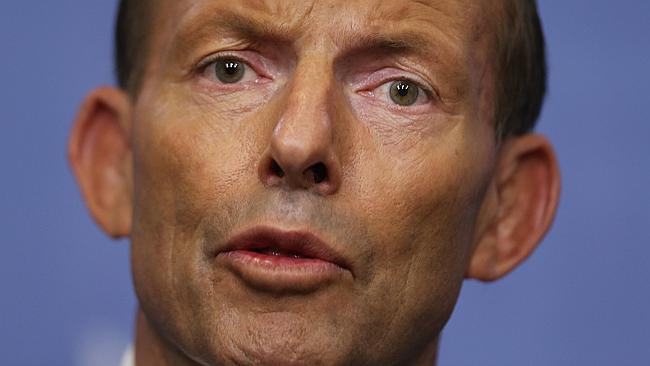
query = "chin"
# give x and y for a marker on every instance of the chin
(277, 338)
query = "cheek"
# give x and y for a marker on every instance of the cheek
(425, 202)
(190, 157)
(417, 204)
(422, 193)
(184, 165)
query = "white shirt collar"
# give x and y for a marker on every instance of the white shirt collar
(128, 358)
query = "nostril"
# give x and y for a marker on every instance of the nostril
(276, 169)
(319, 170)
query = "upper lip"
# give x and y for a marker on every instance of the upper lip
(302, 243)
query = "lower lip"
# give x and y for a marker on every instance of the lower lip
(277, 273)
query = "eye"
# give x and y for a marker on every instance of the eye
(228, 71)
(400, 92)
(404, 92)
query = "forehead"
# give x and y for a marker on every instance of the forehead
(305, 11)
(450, 21)
(449, 38)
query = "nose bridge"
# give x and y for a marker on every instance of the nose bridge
(301, 153)
(303, 134)
(309, 93)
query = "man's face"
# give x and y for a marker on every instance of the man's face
(360, 128)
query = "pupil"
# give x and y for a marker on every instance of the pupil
(404, 92)
(229, 71)
(402, 89)
(231, 67)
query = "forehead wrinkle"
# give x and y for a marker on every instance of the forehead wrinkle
(248, 20)
(405, 34)
(462, 28)
(232, 22)
(353, 38)
(455, 21)
(426, 24)
(439, 31)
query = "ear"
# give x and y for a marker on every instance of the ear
(519, 207)
(99, 152)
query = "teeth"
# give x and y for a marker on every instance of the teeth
(279, 253)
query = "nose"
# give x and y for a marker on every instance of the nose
(301, 152)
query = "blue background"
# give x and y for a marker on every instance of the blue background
(582, 299)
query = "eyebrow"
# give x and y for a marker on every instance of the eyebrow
(255, 26)
(260, 26)
(425, 46)
(229, 23)
(404, 41)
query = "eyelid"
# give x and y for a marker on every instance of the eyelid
(431, 94)
(378, 78)
(428, 93)
(255, 66)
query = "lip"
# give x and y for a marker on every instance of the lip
(275, 260)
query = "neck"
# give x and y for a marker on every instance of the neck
(430, 355)
(153, 350)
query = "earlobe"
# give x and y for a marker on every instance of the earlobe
(99, 153)
(520, 207)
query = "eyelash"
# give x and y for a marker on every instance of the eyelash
(371, 90)
(430, 93)
(204, 64)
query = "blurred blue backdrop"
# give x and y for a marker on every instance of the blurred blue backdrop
(582, 299)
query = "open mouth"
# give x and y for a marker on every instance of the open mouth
(265, 241)
(273, 260)
(279, 252)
